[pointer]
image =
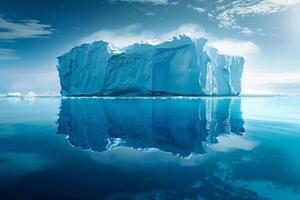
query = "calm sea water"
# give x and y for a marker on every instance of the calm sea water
(178, 148)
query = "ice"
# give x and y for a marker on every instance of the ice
(182, 66)
(30, 95)
(14, 94)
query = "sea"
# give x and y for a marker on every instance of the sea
(94, 148)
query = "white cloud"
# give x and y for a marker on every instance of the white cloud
(199, 10)
(191, 30)
(149, 13)
(230, 13)
(12, 30)
(263, 7)
(134, 34)
(7, 54)
(146, 12)
(23, 29)
(121, 37)
(235, 47)
(246, 31)
(131, 34)
(260, 82)
(154, 2)
(225, 46)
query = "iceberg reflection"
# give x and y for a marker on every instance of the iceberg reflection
(179, 126)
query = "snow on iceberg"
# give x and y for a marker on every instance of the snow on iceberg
(182, 66)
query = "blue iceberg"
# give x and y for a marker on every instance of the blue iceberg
(182, 66)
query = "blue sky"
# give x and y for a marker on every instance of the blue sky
(266, 32)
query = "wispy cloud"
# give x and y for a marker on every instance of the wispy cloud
(199, 10)
(11, 30)
(154, 2)
(120, 37)
(23, 29)
(146, 12)
(229, 14)
(7, 54)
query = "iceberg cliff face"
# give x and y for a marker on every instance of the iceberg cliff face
(181, 67)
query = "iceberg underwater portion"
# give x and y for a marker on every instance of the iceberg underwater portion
(182, 66)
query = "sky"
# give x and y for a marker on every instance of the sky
(266, 32)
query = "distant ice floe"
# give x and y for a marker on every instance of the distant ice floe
(14, 94)
(29, 95)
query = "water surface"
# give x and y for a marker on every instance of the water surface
(150, 148)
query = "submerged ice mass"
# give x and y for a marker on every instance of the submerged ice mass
(182, 66)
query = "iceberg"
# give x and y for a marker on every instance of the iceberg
(181, 66)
